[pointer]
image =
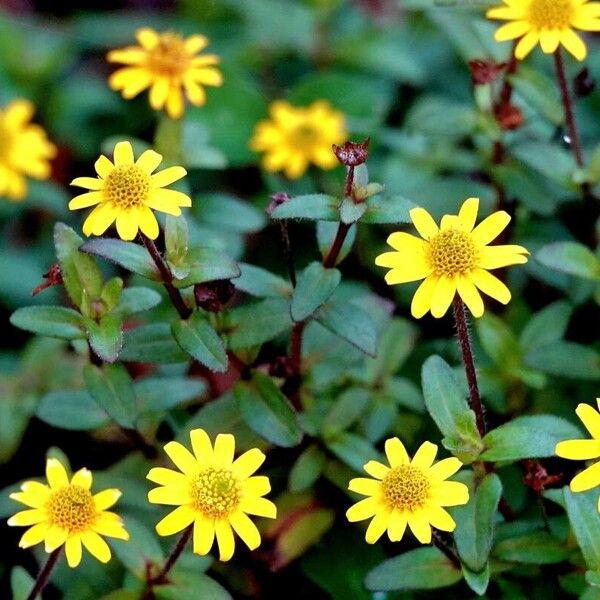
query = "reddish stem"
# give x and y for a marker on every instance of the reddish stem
(44, 574)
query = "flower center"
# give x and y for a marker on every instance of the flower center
(127, 186)
(72, 508)
(216, 493)
(303, 135)
(551, 14)
(6, 140)
(169, 57)
(405, 488)
(452, 252)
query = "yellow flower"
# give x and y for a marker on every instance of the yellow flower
(294, 137)
(549, 22)
(67, 513)
(213, 492)
(167, 64)
(126, 191)
(584, 449)
(24, 150)
(407, 493)
(452, 258)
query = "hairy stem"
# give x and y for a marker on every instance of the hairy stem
(446, 550)
(44, 574)
(336, 247)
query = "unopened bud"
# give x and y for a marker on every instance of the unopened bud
(485, 71)
(352, 154)
(509, 116)
(276, 200)
(212, 295)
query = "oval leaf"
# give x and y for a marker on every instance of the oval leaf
(314, 288)
(53, 321)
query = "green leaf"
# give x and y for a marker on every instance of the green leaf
(475, 520)
(111, 387)
(152, 343)
(351, 212)
(53, 321)
(315, 286)
(21, 583)
(262, 283)
(81, 276)
(478, 582)
(538, 90)
(190, 585)
(207, 264)
(176, 239)
(571, 258)
(383, 210)
(550, 161)
(547, 326)
(420, 569)
(351, 323)
(346, 409)
(326, 234)
(352, 450)
(316, 207)
(106, 337)
(307, 469)
(449, 409)
(164, 393)
(71, 409)
(111, 292)
(137, 299)
(565, 359)
(537, 548)
(258, 323)
(197, 337)
(585, 522)
(216, 210)
(267, 411)
(527, 437)
(499, 342)
(128, 255)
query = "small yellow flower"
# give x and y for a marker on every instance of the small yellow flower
(24, 149)
(213, 492)
(294, 137)
(452, 258)
(167, 64)
(584, 449)
(407, 493)
(547, 22)
(67, 513)
(126, 191)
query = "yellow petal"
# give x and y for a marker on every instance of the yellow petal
(127, 224)
(224, 450)
(225, 540)
(396, 452)
(175, 521)
(442, 297)
(108, 525)
(195, 43)
(496, 257)
(573, 43)
(55, 537)
(505, 12)
(100, 219)
(423, 223)
(202, 447)
(445, 468)
(363, 509)
(491, 227)
(27, 517)
(467, 215)
(397, 525)
(171, 197)
(365, 486)
(159, 93)
(195, 93)
(377, 526)
(407, 271)
(56, 474)
(34, 535)
(248, 463)
(103, 166)
(450, 493)
(149, 161)
(204, 535)
(590, 417)
(96, 546)
(123, 154)
(167, 477)
(147, 222)
(549, 40)
(527, 43)
(85, 200)
(587, 479)
(147, 37)
(175, 104)
(257, 486)
(168, 176)
(208, 76)
(376, 469)
(73, 550)
(82, 478)
(578, 449)
(246, 529)
(183, 459)
(90, 183)
(420, 527)
(424, 456)
(421, 302)
(439, 518)
(510, 31)
(489, 284)
(157, 201)
(261, 507)
(468, 292)
(106, 498)
(171, 496)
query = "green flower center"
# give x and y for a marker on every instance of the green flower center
(452, 252)
(215, 493)
(169, 57)
(551, 14)
(304, 136)
(406, 488)
(127, 186)
(72, 508)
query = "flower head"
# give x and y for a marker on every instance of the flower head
(547, 22)
(584, 449)
(407, 492)
(454, 257)
(24, 150)
(168, 65)
(126, 191)
(294, 137)
(213, 492)
(64, 512)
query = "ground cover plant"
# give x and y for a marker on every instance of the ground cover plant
(300, 299)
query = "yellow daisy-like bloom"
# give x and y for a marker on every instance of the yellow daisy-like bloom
(167, 64)
(64, 512)
(24, 150)
(294, 137)
(407, 492)
(584, 449)
(126, 191)
(454, 257)
(547, 22)
(213, 492)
